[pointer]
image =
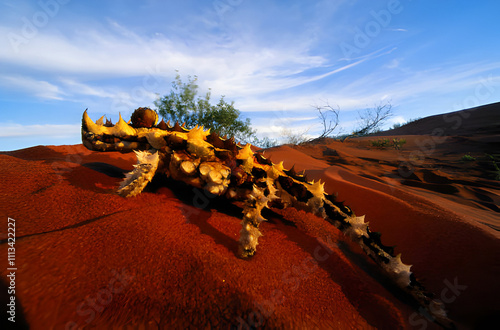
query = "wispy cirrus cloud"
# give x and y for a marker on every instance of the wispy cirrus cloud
(39, 88)
(234, 68)
(239, 68)
(78, 88)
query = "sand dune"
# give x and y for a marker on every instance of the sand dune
(87, 257)
(482, 120)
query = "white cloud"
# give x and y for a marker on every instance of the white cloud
(396, 120)
(57, 131)
(39, 88)
(75, 87)
(241, 66)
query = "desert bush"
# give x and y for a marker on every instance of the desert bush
(397, 125)
(398, 143)
(395, 143)
(495, 173)
(291, 137)
(380, 143)
(468, 158)
(183, 105)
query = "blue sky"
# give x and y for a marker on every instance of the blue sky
(274, 59)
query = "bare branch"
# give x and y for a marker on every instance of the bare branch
(329, 117)
(372, 119)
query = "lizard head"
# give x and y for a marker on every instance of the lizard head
(123, 136)
(143, 132)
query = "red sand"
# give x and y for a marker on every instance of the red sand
(88, 257)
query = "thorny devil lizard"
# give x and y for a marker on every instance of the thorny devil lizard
(205, 160)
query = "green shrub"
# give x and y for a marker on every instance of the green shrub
(396, 143)
(468, 158)
(496, 170)
(183, 105)
(380, 143)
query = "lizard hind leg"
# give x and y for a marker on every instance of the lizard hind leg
(141, 175)
(252, 218)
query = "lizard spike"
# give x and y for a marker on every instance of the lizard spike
(100, 121)
(90, 126)
(400, 271)
(261, 159)
(318, 188)
(230, 145)
(183, 125)
(246, 152)
(216, 140)
(291, 172)
(279, 166)
(86, 118)
(162, 125)
(246, 156)
(197, 133)
(108, 123)
(303, 175)
(375, 237)
(178, 128)
(358, 228)
(297, 176)
(122, 129)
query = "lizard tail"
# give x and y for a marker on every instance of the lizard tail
(359, 232)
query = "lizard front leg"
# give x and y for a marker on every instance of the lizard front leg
(142, 174)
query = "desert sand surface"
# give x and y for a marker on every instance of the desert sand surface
(87, 257)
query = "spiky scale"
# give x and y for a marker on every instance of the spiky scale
(178, 128)
(215, 140)
(162, 125)
(262, 160)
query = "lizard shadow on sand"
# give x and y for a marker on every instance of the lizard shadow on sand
(200, 210)
(197, 206)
